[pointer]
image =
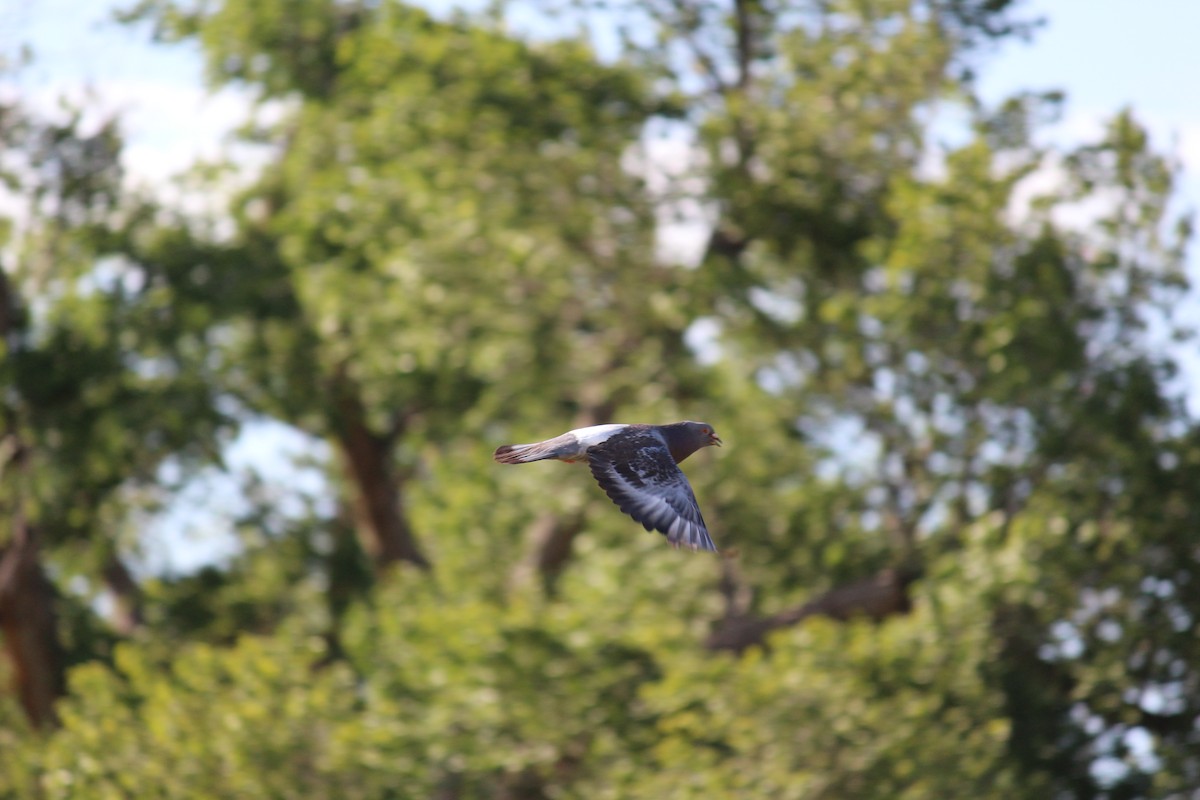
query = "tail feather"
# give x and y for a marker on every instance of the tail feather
(562, 448)
(523, 453)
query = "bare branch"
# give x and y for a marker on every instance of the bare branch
(880, 596)
(745, 42)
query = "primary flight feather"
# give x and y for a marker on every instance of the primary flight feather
(637, 466)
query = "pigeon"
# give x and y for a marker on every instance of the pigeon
(636, 465)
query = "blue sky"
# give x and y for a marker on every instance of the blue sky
(1105, 54)
(1112, 54)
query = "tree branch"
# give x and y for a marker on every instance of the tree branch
(381, 522)
(744, 21)
(880, 596)
(127, 611)
(553, 538)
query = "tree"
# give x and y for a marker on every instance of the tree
(402, 166)
(955, 492)
(104, 381)
(980, 361)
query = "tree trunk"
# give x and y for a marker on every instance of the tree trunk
(379, 509)
(127, 597)
(880, 596)
(553, 537)
(28, 620)
(29, 624)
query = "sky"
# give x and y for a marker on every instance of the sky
(1105, 54)
(1109, 55)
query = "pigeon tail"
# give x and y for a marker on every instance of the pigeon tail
(562, 448)
(522, 453)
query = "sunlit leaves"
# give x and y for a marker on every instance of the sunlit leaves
(928, 355)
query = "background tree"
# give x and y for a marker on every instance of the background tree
(954, 454)
(403, 168)
(105, 381)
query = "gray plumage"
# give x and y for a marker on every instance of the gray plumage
(637, 466)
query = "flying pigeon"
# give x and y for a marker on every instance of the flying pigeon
(636, 466)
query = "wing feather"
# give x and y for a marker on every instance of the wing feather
(636, 470)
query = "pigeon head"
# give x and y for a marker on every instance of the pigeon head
(685, 438)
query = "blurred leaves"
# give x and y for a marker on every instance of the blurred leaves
(942, 361)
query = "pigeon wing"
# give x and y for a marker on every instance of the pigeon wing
(636, 470)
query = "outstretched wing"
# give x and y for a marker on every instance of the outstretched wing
(636, 470)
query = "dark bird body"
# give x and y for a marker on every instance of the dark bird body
(637, 466)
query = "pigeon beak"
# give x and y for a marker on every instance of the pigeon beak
(714, 439)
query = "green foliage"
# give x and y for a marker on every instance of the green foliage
(918, 368)
(105, 366)
(481, 696)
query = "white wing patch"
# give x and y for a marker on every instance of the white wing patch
(595, 434)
